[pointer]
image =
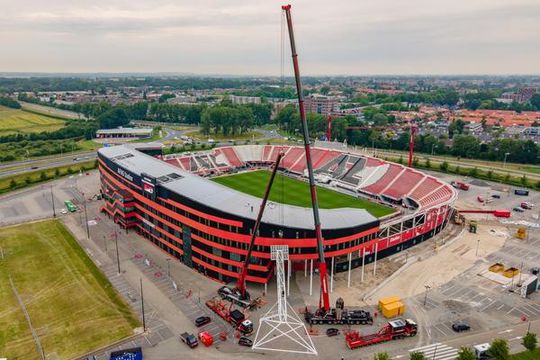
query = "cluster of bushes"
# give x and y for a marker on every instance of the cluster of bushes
(9, 102)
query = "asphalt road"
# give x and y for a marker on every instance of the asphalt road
(21, 167)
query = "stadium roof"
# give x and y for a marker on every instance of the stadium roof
(228, 200)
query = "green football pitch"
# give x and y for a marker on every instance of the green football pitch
(295, 192)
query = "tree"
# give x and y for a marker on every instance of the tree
(465, 354)
(43, 176)
(428, 163)
(12, 184)
(529, 341)
(381, 356)
(57, 172)
(113, 118)
(444, 166)
(499, 349)
(523, 180)
(417, 356)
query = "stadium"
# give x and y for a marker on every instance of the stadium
(201, 207)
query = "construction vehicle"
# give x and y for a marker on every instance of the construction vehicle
(395, 329)
(338, 315)
(460, 185)
(238, 294)
(235, 317)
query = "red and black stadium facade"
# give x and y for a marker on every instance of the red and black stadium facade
(214, 240)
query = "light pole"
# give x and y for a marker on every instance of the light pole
(86, 218)
(425, 296)
(168, 267)
(52, 199)
(117, 255)
(504, 162)
(142, 307)
(432, 148)
(477, 246)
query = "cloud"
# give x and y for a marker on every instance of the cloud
(243, 36)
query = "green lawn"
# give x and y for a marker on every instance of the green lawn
(296, 192)
(73, 307)
(20, 121)
(526, 355)
(250, 135)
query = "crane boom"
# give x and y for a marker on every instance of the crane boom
(241, 284)
(324, 302)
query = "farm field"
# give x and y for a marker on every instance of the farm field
(19, 121)
(72, 306)
(296, 192)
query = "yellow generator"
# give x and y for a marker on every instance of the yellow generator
(521, 233)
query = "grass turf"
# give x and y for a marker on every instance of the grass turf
(20, 121)
(296, 192)
(526, 355)
(71, 304)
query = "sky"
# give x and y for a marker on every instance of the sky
(243, 37)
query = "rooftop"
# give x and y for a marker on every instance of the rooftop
(228, 200)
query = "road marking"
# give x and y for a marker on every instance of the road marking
(505, 331)
(516, 338)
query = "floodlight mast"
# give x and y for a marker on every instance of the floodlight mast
(324, 302)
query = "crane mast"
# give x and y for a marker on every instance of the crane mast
(241, 283)
(324, 302)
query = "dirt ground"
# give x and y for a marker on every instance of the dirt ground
(448, 262)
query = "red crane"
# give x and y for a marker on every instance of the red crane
(241, 283)
(324, 302)
(239, 294)
(412, 130)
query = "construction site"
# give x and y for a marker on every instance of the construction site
(452, 263)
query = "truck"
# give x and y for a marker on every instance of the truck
(460, 185)
(393, 330)
(233, 295)
(480, 351)
(338, 316)
(189, 339)
(235, 317)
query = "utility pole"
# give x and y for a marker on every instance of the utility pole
(52, 199)
(117, 255)
(86, 218)
(142, 306)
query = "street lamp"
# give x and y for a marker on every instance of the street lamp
(504, 162)
(168, 267)
(425, 296)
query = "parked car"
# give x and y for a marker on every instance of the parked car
(496, 196)
(460, 326)
(527, 205)
(332, 332)
(535, 270)
(189, 339)
(518, 209)
(202, 320)
(244, 341)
